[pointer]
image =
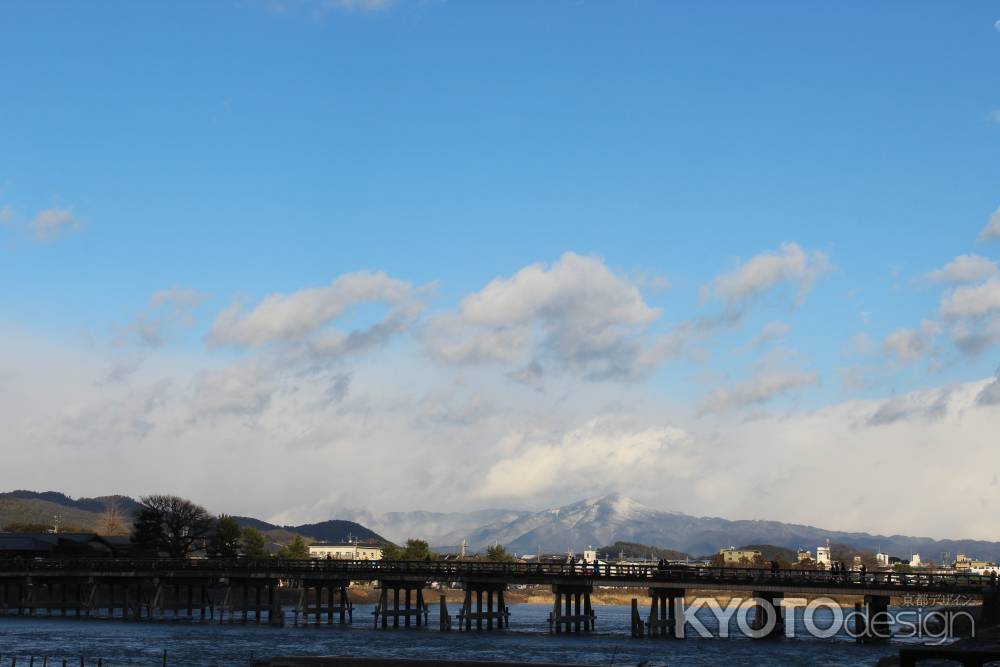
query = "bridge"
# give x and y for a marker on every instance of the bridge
(258, 591)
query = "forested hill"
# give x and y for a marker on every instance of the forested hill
(40, 508)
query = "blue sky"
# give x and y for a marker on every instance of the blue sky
(218, 151)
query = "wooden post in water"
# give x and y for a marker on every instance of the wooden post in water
(445, 619)
(556, 610)
(344, 601)
(489, 610)
(467, 609)
(479, 610)
(246, 601)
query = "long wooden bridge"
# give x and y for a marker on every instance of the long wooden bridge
(257, 591)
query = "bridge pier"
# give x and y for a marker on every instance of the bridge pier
(990, 614)
(872, 620)
(413, 601)
(496, 616)
(338, 602)
(666, 613)
(768, 615)
(575, 617)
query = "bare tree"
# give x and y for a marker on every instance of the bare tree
(112, 521)
(171, 525)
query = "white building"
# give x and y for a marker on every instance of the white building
(823, 556)
(345, 551)
(882, 559)
(915, 561)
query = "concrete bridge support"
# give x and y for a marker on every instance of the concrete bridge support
(666, 613)
(496, 615)
(568, 614)
(414, 609)
(768, 615)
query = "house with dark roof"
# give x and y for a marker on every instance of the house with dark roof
(61, 545)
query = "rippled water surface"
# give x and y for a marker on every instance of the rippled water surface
(210, 645)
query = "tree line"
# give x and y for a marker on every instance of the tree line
(176, 527)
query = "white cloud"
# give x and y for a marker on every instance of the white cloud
(908, 345)
(63, 430)
(52, 223)
(772, 331)
(918, 405)
(990, 395)
(995, 115)
(166, 308)
(971, 301)
(603, 455)
(241, 390)
(974, 338)
(965, 269)
(305, 316)
(973, 314)
(769, 380)
(992, 229)
(790, 265)
(572, 316)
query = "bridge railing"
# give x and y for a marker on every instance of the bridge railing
(445, 570)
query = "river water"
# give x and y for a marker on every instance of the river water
(141, 644)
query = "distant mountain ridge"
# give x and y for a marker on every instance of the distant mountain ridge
(333, 530)
(617, 518)
(41, 507)
(592, 522)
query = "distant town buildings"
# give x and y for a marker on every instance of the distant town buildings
(346, 551)
(823, 556)
(804, 555)
(968, 565)
(734, 556)
(915, 561)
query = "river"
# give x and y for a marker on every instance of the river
(141, 644)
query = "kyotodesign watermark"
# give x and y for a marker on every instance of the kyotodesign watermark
(820, 618)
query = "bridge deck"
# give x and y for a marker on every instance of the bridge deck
(791, 581)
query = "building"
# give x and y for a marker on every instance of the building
(967, 565)
(734, 556)
(915, 561)
(345, 551)
(823, 556)
(882, 559)
(61, 545)
(804, 555)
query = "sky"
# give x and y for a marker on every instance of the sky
(287, 257)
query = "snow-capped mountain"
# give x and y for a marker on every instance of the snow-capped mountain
(435, 527)
(602, 521)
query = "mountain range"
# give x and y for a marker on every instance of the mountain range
(594, 522)
(33, 507)
(602, 521)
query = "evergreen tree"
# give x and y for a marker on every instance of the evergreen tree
(254, 543)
